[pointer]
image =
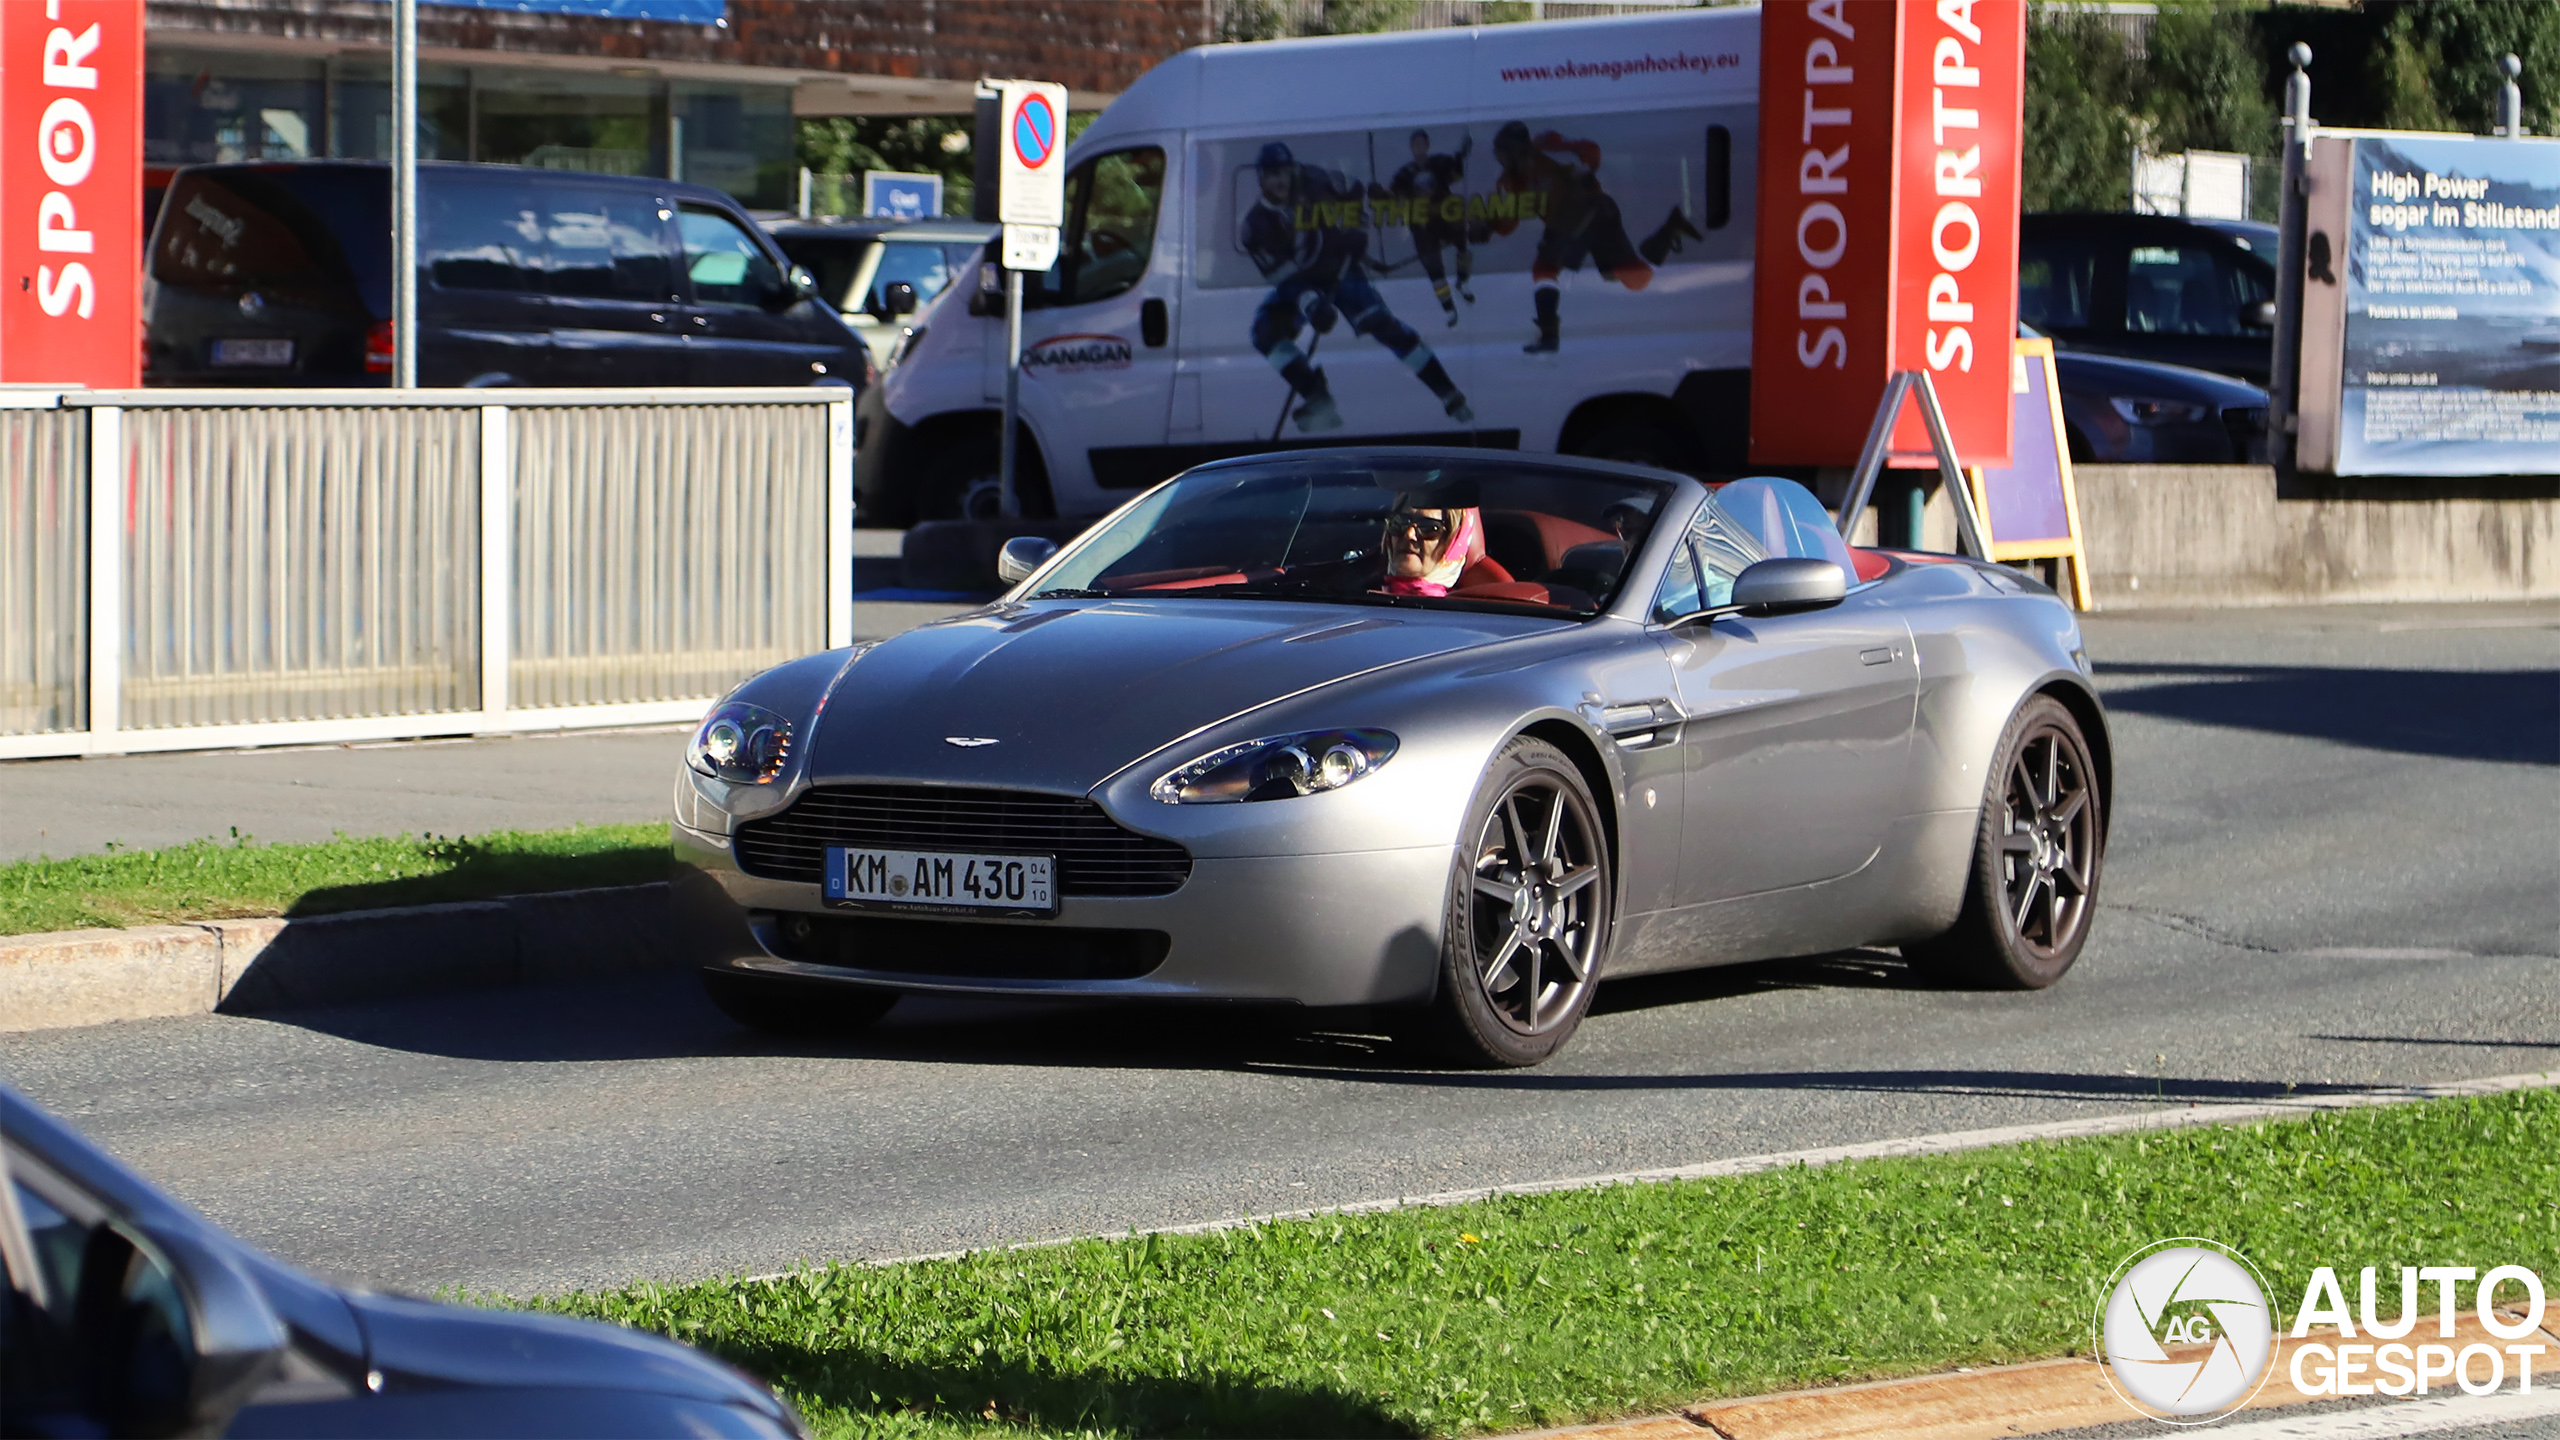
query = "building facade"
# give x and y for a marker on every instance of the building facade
(699, 90)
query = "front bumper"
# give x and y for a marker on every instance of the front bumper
(1356, 928)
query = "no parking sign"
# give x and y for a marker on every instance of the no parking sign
(1032, 175)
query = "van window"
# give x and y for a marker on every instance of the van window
(727, 266)
(280, 227)
(480, 237)
(604, 245)
(1112, 202)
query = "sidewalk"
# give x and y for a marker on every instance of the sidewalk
(450, 787)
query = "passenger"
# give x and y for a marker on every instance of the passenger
(1427, 550)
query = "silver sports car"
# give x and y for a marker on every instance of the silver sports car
(1455, 734)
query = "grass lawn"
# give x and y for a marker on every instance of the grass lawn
(223, 880)
(1552, 1309)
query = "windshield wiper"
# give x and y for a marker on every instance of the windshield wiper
(1073, 594)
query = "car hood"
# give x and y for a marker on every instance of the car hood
(1072, 691)
(421, 1345)
(2103, 375)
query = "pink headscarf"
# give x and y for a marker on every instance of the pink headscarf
(1466, 542)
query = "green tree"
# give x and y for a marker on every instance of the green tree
(2079, 113)
(2435, 65)
(837, 148)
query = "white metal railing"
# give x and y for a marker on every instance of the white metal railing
(199, 569)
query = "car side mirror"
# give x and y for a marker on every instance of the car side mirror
(1022, 555)
(2261, 316)
(803, 284)
(1789, 584)
(897, 298)
(174, 1334)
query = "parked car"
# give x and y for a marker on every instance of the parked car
(1450, 733)
(879, 274)
(130, 1314)
(280, 274)
(2119, 411)
(2198, 293)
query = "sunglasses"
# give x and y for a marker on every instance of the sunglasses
(1420, 526)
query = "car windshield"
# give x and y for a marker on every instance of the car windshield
(1434, 530)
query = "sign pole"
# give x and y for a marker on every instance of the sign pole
(404, 195)
(1010, 503)
(1031, 203)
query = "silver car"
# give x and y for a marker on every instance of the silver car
(1451, 733)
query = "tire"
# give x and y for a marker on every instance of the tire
(777, 1005)
(1523, 946)
(2033, 887)
(964, 478)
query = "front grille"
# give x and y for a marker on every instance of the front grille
(1096, 857)
(967, 948)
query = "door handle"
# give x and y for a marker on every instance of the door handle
(1881, 655)
(1154, 326)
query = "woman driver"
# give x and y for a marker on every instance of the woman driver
(1427, 550)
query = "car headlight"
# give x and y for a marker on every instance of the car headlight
(2158, 412)
(741, 743)
(1278, 768)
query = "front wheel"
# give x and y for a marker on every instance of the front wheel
(2033, 887)
(1527, 928)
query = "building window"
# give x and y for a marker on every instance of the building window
(200, 106)
(737, 138)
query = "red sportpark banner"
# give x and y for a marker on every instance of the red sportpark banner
(71, 192)
(1888, 222)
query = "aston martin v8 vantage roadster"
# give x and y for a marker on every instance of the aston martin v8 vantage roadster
(1454, 735)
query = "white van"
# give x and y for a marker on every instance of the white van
(1532, 236)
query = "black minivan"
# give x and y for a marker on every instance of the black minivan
(280, 274)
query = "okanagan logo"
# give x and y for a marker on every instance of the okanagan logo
(1072, 354)
(2186, 1330)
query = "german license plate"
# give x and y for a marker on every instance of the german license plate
(252, 352)
(938, 880)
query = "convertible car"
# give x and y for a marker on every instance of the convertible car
(1450, 734)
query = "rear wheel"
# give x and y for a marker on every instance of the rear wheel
(1528, 913)
(2034, 884)
(780, 1005)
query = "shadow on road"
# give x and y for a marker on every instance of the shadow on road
(2425, 1040)
(665, 1015)
(2508, 715)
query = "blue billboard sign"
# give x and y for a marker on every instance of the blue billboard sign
(894, 196)
(682, 12)
(2449, 360)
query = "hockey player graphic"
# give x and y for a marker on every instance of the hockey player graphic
(1559, 181)
(1309, 235)
(1436, 209)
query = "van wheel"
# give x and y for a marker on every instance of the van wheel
(1640, 440)
(964, 480)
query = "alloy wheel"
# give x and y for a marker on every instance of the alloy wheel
(2051, 840)
(1538, 910)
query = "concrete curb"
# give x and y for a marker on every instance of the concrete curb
(91, 977)
(2036, 1398)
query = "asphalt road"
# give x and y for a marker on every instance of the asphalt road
(2336, 862)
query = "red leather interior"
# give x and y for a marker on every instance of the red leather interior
(1232, 577)
(1536, 541)
(1530, 591)
(1871, 563)
(1484, 570)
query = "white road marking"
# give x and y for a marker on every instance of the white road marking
(2406, 1417)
